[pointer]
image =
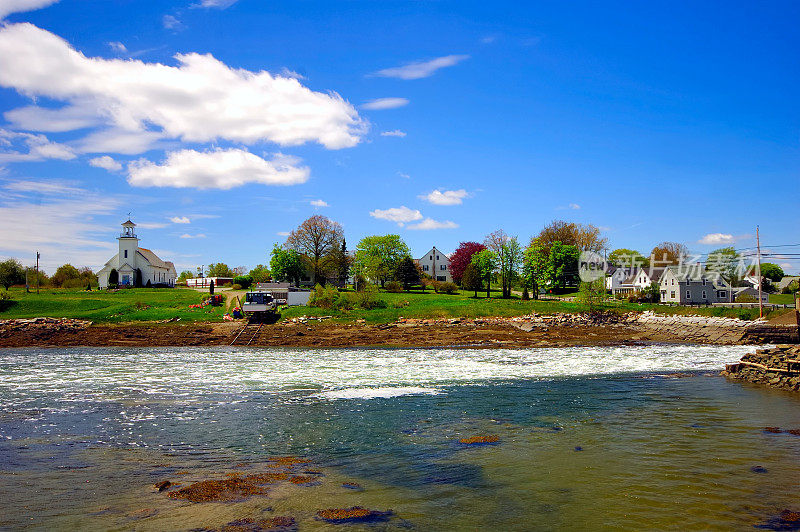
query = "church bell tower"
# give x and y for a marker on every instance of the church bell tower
(128, 243)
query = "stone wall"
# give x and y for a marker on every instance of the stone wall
(778, 366)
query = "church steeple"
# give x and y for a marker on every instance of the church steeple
(128, 244)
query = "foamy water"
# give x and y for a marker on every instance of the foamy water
(103, 374)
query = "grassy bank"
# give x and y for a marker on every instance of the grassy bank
(162, 303)
(135, 304)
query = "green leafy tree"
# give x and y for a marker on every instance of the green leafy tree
(64, 274)
(628, 258)
(509, 257)
(535, 269)
(727, 263)
(592, 294)
(486, 263)
(562, 266)
(113, 277)
(260, 274)
(408, 273)
(185, 274)
(286, 264)
(33, 276)
(471, 279)
(219, 269)
(341, 262)
(11, 273)
(377, 257)
(771, 271)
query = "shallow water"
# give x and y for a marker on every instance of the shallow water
(589, 438)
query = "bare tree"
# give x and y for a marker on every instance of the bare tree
(584, 237)
(316, 239)
(667, 253)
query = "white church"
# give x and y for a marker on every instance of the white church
(135, 266)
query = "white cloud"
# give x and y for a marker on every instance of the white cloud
(283, 233)
(489, 39)
(171, 23)
(429, 224)
(400, 215)
(50, 187)
(16, 6)
(150, 225)
(106, 162)
(421, 69)
(180, 220)
(319, 203)
(119, 141)
(70, 118)
(716, 239)
(218, 4)
(218, 168)
(404, 176)
(199, 100)
(35, 148)
(187, 235)
(445, 197)
(63, 226)
(574, 206)
(393, 133)
(380, 104)
(118, 47)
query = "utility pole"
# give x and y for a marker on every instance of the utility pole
(758, 273)
(37, 271)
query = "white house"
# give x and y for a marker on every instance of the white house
(135, 266)
(436, 264)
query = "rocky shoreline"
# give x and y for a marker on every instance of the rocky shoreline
(778, 367)
(521, 331)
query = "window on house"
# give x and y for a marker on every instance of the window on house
(704, 283)
(688, 294)
(672, 294)
(443, 267)
(437, 257)
(673, 282)
(126, 253)
(704, 294)
(425, 268)
(722, 293)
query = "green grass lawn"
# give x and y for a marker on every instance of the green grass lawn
(463, 304)
(154, 304)
(781, 299)
(135, 304)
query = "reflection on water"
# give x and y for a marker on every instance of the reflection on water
(589, 438)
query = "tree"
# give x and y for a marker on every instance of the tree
(11, 273)
(137, 278)
(563, 266)
(113, 277)
(727, 263)
(260, 274)
(508, 254)
(219, 269)
(485, 262)
(316, 239)
(628, 258)
(583, 237)
(377, 257)
(64, 273)
(668, 253)
(32, 274)
(408, 273)
(771, 271)
(461, 258)
(185, 274)
(535, 266)
(341, 263)
(471, 279)
(592, 294)
(286, 265)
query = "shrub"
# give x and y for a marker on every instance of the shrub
(323, 296)
(236, 286)
(343, 301)
(368, 299)
(400, 304)
(447, 288)
(360, 282)
(244, 281)
(790, 288)
(149, 284)
(394, 287)
(745, 298)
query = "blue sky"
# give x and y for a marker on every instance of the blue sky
(221, 125)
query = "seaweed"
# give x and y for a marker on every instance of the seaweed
(480, 440)
(355, 514)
